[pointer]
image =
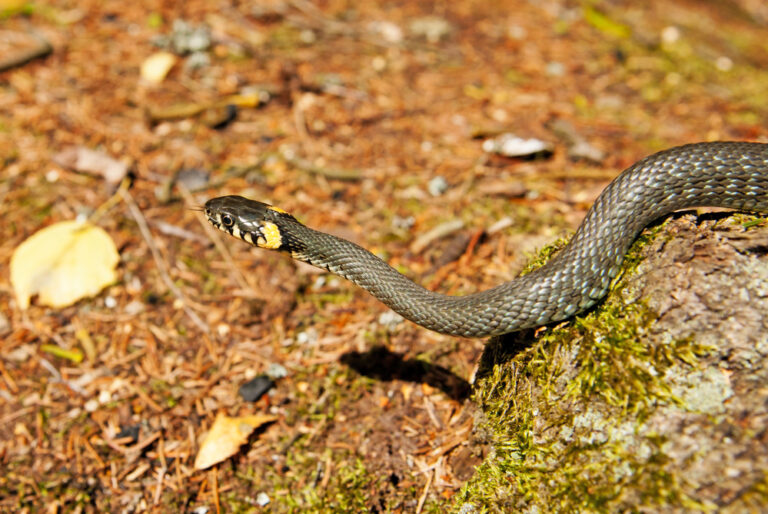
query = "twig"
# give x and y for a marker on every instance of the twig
(105, 207)
(172, 230)
(19, 413)
(440, 231)
(159, 488)
(350, 175)
(423, 497)
(215, 486)
(161, 266)
(57, 378)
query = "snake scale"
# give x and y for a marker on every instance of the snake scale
(715, 174)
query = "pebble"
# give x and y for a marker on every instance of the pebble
(255, 388)
(131, 431)
(187, 38)
(197, 61)
(275, 371)
(193, 178)
(390, 320)
(134, 307)
(308, 336)
(389, 32)
(509, 145)
(431, 28)
(555, 69)
(437, 186)
(262, 499)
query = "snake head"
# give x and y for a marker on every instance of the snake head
(254, 222)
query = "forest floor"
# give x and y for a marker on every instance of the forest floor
(368, 120)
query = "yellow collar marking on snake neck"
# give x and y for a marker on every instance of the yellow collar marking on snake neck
(270, 236)
(277, 209)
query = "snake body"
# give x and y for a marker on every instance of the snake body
(717, 174)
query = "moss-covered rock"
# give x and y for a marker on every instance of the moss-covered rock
(655, 400)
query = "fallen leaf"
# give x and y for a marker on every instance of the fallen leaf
(75, 356)
(226, 436)
(92, 162)
(63, 263)
(156, 66)
(605, 24)
(8, 5)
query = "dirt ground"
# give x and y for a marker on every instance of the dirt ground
(367, 120)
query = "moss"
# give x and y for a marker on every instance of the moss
(567, 408)
(756, 495)
(303, 488)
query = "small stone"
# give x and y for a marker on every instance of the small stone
(262, 499)
(129, 432)
(389, 32)
(723, 63)
(134, 307)
(510, 145)
(309, 336)
(275, 371)
(582, 150)
(670, 34)
(193, 178)
(255, 388)
(403, 223)
(390, 320)
(52, 176)
(307, 36)
(91, 405)
(431, 28)
(555, 69)
(186, 38)
(437, 186)
(197, 61)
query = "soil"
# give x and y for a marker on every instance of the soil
(367, 120)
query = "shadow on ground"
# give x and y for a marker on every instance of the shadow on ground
(383, 364)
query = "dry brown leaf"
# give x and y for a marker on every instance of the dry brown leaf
(85, 160)
(226, 436)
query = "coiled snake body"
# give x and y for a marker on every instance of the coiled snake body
(719, 174)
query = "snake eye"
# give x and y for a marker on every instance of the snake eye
(227, 220)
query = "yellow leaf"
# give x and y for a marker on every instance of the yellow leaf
(75, 356)
(12, 5)
(156, 66)
(605, 24)
(226, 436)
(63, 263)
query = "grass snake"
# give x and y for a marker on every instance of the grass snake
(716, 174)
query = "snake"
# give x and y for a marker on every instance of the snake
(731, 175)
